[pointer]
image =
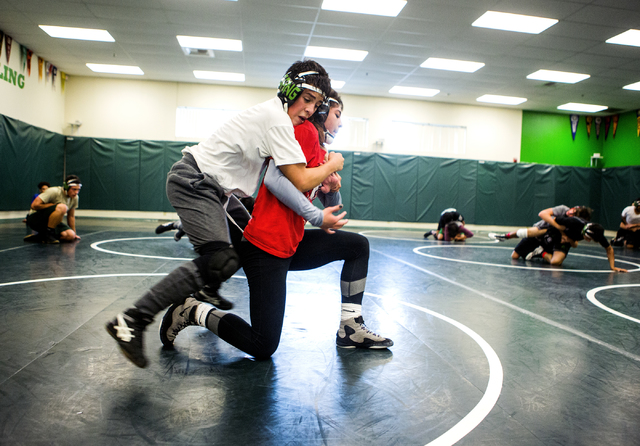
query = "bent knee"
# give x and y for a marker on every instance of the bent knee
(61, 207)
(265, 351)
(515, 255)
(68, 236)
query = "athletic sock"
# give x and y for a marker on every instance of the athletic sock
(350, 311)
(201, 313)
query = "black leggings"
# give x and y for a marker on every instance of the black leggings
(267, 275)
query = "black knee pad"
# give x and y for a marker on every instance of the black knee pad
(219, 266)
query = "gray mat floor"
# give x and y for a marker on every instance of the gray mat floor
(487, 351)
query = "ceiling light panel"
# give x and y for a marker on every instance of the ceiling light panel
(115, 69)
(414, 91)
(388, 8)
(558, 76)
(452, 65)
(587, 108)
(630, 37)
(337, 85)
(210, 43)
(504, 100)
(514, 22)
(635, 86)
(63, 32)
(219, 76)
(323, 52)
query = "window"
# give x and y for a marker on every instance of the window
(352, 134)
(200, 123)
(412, 138)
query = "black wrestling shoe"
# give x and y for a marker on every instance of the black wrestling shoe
(354, 334)
(209, 295)
(499, 237)
(178, 235)
(619, 241)
(427, 234)
(127, 329)
(50, 238)
(33, 238)
(165, 227)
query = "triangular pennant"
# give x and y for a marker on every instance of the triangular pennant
(589, 120)
(54, 72)
(574, 119)
(63, 80)
(638, 122)
(607, 124)
(29, 57)
(7, 45)
(1, 38)
(40, 67)
(598, 122)
(23, 57)
(615, 125)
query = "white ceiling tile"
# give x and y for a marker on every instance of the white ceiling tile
(275, 33)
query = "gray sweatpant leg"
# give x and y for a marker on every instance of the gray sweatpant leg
(199, 201)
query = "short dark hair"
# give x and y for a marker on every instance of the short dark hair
(320, 80)
(584, 212)
(41, 184)
(71, 180)
(453, 227)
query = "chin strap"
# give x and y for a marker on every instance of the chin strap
(328, 137)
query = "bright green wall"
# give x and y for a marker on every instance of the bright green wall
(546, 139)
(624, 149)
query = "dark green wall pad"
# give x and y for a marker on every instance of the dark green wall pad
(28, 155)
(124, 175)
(130, 175)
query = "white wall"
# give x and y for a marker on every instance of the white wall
(38, 102)
(138, 109)
(492, 133)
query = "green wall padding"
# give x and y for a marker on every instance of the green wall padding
(152, 180)
(131, 174)
(362, 191)
(405, 197)
(126, 175)
(28, 155)
(620, 187)
(78, 162)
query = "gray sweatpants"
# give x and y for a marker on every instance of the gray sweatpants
(199, 201)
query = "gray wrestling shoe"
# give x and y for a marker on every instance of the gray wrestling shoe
(354, 334)
(535, 253)
(177, 318)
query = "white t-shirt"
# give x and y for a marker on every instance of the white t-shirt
(234, 155)
(629, 216)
